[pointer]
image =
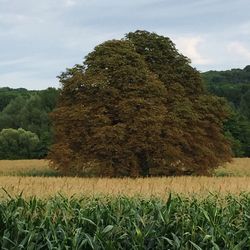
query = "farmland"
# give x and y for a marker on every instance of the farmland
(41, 210)
(125, 223)
(125, 125)
(35, 178)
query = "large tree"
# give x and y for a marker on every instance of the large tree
(136, 107)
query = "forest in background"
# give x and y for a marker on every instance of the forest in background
(26, 130)
(25, 127)
(234, 86)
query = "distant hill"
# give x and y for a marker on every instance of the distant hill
(234, 76)
(234, 85)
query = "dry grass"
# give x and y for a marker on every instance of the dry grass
(238, 167)
(160, 187)
(24, 167)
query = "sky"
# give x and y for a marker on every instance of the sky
(40, 39)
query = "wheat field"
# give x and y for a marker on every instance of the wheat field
(13, 183)
(158, 187)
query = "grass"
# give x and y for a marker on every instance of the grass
(26, 168)
(35, 178)
(125, 223)
(238, 167)
(148, 187)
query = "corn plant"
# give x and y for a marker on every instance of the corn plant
(125, 223)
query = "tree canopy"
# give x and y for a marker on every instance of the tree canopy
(18, 144)
(234, 85)
(136, 107)
(29, 110)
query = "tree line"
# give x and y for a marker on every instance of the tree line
(234, 86)
(25, 126)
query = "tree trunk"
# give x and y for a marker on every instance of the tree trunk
(143, 163)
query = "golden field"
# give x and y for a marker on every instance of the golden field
(23, 167)
(147, 187)
(239, 182)
(238, 167)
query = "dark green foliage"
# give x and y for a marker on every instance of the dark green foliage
(136, 107)
(125, 223)
(30, 110)
(232, 92)
(8, 94)
(237, 128)
(18, 144)
(234, 85)
(231, 84)
(234, 76)
(245, 104)
(10, 116)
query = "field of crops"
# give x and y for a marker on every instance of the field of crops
(238, 167)
(40, 210)
(125, 223)
(34, 178)
(45, 187)
(25, 168)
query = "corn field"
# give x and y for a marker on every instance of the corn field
(39, 212)
(34, 178)
(125, 223)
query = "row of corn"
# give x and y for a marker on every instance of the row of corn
(125, 223)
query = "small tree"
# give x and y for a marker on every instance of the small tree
(18, 144)
(136, 107)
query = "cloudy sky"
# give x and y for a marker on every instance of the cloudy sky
(39, 39)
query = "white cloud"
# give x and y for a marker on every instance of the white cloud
(189, 46)
(12, 18)
(42, 38)
(239, 49)
(69, 3)
(15, 61)
(245, 28)
(15, 20)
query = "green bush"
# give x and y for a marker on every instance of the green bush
(18, 144)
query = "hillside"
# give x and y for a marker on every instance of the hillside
(234, 85)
